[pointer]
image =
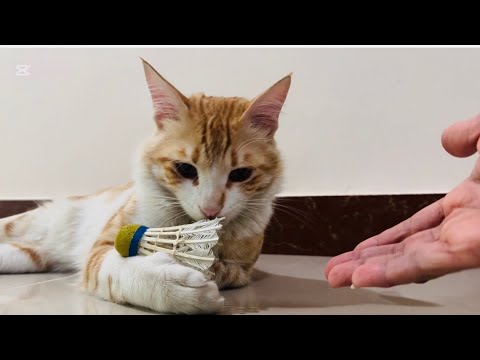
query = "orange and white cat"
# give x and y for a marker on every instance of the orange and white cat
(208, 157)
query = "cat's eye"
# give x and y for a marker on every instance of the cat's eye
(186, 170)
(240, 175)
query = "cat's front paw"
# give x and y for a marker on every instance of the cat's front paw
(159, 283)
(191, 293)
(230, 276)
(182, 290)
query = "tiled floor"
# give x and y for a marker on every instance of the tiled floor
(283, 285)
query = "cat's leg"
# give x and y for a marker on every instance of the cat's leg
(18, 252)
(230, 275)
(236, 264)
(155, 282)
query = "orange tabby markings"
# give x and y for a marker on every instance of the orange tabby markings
(216, 121)
(171, 175)
(17, 226)
(110, 288)
(247, 157)
(196, 155)
(112, 192)
(105, 243)
(90, 280)
(164, 160)
(9, 228)
(115, 192)
(34, 256)
(182, 153)
(234, 159)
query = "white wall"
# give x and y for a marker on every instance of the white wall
(357, 121)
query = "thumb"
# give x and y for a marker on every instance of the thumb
(462, 138)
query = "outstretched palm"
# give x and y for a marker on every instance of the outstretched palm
(441, 238)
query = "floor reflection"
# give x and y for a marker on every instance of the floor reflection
(278, 291)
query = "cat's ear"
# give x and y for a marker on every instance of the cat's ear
(264, 110)
(168, 102)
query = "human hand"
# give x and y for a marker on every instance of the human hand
(442, 238)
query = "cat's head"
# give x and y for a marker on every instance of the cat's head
(214, 156)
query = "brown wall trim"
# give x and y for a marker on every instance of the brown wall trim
(330, 225)
(316, 225)
(12, 207)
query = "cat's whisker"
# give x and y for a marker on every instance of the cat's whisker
(260, 229)
(165, 199)
(158, 196)
(287, 210)
(277, 205)
(248, 142)
(274, 204)
(274, 217)
(301, 217)
(177, 215)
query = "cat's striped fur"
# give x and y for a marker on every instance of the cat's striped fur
(215, 135)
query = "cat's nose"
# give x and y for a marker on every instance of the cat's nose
(211, 212)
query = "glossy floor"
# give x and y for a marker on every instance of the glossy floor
(282, 285)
